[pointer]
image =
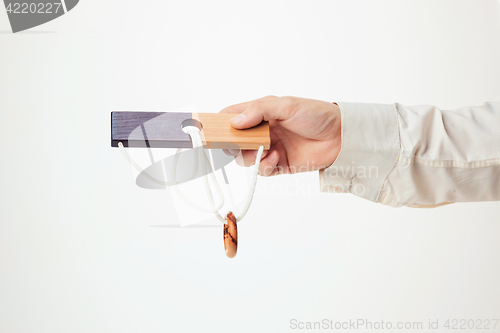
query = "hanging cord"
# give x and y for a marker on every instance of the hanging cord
(206, 167)
(138, 168)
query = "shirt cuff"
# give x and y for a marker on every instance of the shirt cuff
(370, 148)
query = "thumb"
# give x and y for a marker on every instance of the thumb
(260, 110)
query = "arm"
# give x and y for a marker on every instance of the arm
(396, 155)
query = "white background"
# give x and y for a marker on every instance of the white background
(80, 250)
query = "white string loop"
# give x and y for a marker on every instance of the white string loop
(207, 169)
(198, 145)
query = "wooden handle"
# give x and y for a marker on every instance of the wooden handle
(164, 130)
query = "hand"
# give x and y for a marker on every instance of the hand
(305, 133)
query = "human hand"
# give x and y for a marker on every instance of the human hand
(305, 133)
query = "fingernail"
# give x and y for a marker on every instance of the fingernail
(238, 119)
(273, 157)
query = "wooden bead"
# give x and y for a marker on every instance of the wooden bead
(230, 236)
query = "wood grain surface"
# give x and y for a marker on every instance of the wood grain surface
(163, 130)
(217, 132)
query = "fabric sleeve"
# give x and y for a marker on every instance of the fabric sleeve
(418, 156)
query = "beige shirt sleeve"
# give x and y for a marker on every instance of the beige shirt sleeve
(417, 156)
